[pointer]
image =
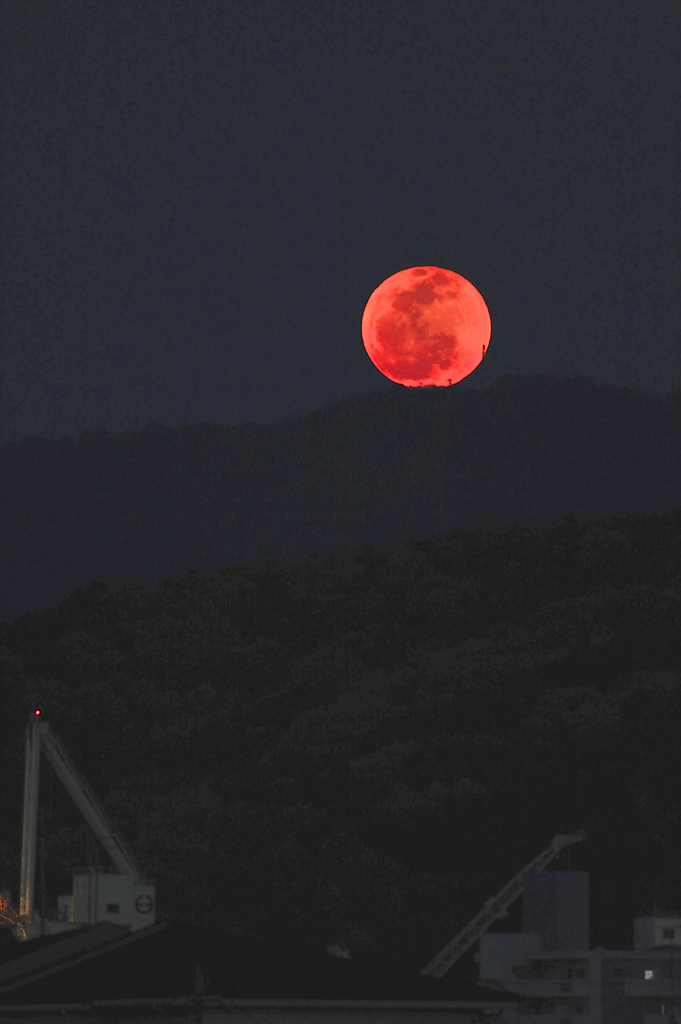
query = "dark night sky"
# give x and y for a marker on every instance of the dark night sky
(199, 197)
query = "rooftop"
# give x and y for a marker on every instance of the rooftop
(172, 960)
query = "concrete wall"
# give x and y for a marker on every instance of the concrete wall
(556, 905)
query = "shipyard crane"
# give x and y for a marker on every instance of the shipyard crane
(495, 907)
(126, 898)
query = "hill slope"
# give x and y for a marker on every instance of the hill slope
(372, 469)
(360, 747)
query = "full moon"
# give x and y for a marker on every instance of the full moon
(426, 326)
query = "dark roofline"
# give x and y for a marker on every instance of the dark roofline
(99, 940)
(39, 964)
(216, 1002)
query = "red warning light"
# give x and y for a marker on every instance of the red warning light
(36, 712)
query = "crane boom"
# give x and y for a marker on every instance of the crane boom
(39, 732)
(495, 907)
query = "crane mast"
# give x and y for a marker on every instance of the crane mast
(495, 907)
(132, 890)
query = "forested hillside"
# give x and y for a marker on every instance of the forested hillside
(370, 469)
(363, 745)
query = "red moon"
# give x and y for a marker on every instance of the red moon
(426, 326)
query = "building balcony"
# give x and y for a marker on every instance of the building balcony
(656, 988)
(549, 988)
(557, 1018)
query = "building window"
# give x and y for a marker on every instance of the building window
(618, 972)
(113, 908)
(649, 975)
(668, 933)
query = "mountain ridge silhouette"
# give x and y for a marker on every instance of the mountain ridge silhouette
(370, 469)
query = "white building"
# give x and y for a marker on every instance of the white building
(565, 981)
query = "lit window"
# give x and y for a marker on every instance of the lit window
(649, 975)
